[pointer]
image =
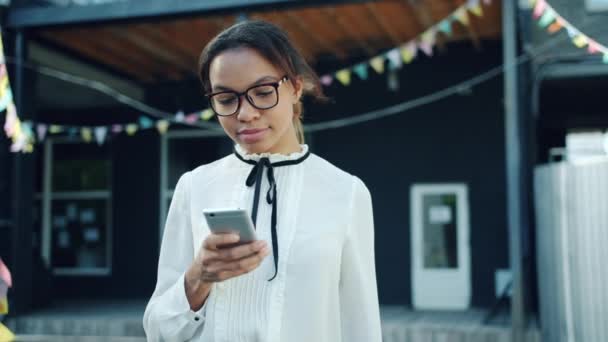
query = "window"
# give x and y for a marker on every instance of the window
(76, 208)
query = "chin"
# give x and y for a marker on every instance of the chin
(256, 148)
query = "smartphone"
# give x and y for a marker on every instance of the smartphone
(231, 221)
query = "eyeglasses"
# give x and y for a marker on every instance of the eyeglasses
(261, 96)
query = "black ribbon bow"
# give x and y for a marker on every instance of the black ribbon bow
(255, 178)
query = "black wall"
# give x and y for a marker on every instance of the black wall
(458, 139)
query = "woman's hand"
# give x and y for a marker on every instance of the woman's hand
(219, 259)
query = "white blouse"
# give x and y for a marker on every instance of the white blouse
(325, 284)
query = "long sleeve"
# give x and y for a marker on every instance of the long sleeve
(359, 308)
(168, 316)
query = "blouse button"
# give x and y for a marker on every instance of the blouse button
(197, 319)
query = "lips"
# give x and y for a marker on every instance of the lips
(252, 135)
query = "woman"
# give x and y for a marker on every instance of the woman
(311, 274)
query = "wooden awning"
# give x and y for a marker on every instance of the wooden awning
(152, 51)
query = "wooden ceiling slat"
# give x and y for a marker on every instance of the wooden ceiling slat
(153, 47)
(166, 41)
(319, 41)
(301, 40)
(348, 30)
(382, 24)
(324, 30)
(76, 41)
(398, 18)
(123, 47)
(358, 18)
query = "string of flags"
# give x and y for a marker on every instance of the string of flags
(24, 134)
(19, 132)
(5, 283)
(549, 19)
(407, 52)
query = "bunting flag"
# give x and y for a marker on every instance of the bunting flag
(162, 126)
(394, 59)
(5, 283)
(21, 134)
(5, 334)
(427, 41)
(87, 134)
(549, 19)
(100, 134)
(207, 114)
(407, 52)
(361, 70)
(343, 76)
(192, 118)
(378, 64)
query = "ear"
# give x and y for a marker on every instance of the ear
(298, 86)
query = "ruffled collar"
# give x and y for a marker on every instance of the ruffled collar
(273, 157)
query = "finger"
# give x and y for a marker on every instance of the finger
(242, 251)
(213, 241)
(243, 265)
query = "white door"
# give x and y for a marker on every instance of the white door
(441, 271)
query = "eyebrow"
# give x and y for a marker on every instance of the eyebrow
(260, 80)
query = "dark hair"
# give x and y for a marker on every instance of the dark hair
(274, 45)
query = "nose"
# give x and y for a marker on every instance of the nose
(247, 112)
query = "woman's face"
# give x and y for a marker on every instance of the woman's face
(256, 130)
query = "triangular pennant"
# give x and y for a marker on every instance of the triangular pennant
(145, 122)
(547, 18)
(408, 52)
(475, 7)
(429, 36)
(378, 64)
(116, 128)
(131, 128)
(191, 118)
(5, 334)
(532, 3)
(572, 32)
(5, 99)
(394, 59)
(55, 129)
(539, 8)
(41, 131)
(162, 126)
(445, 26)
(5, 274)
(361, 70)
(555, 27)
(605, 59)
(87, 134)
(11, 125)
(462, 16)
(179, 116)
(580, 41)
(427, 41)
(3, 289)
(207, 114)
(343, 76)
(100, 134)
(72, 131)
(593, 47)
(327, 80)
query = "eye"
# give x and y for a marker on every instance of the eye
(225, 99)
(263, 93)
